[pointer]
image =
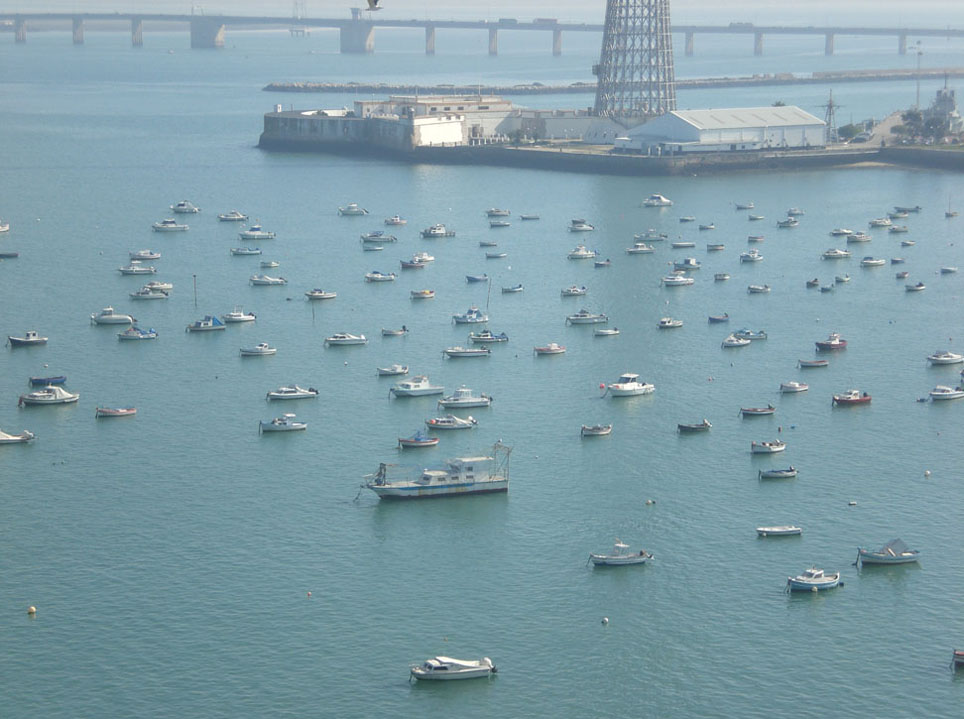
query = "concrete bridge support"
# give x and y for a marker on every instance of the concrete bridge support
(493, 41)
(78, 27)
(557, 43)
(137, 32)
(207, 32)
(20, 30)
(689, 44)
(429, 39)
(902, 44)
(358, 37)
(758, 43)
(828, 44)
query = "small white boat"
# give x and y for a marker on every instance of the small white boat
(752, 255)
(880, 222)
(595, 430)
(795, 212)
(450, 421)
(377, 236)
(417, 386)
(943, 392)
(423, 257)
(529, 216)
(585, 317)
(144, 255)
(284, 423)
(580, 225)
(688, 263)
(680, 244)
(22, 438)
(447, 668)
(422, 294)
(473, 315)
(898, 229)
(463, 397)
(399, 332)
(640, 248)
(812, 579)
(261, 280)
(207, 324)
(580, 252)
(945, 357)
(605, 332)
(499, 223)
(513, 289)
(574, 291)
(793, 386)
(668, 323)
(262, 349)
(395, 221)
(486, 336)
(919, 287)
(459, 351)
(757, 411)
(628, 385)
(160, 286)
(734, 341)
(269, 264)
(657, 200)
(779, 530)
(107, 316)
(710, 226)
(758, 289)
(495, 255)
(292, 392)
(773, 447)
(136, 268)
(907, 243)
(146, 293)
(789, 222)
(948, 270)
(620, 556)
(437, 230)
(169, 225)
(239, 315)
(245, 251)
(185, 207)
(319, 294)
(841, 232)
(115, 411)
(256, 232)
(345, 338)
(477, 278)
(687, 218)
(549, 349)
(232, 216)
(859, 237)
(136, 333)
(787, 473)
(894, 552)
(869, 261)
(51, 394)
(841, 279)
(715, 247)
(721, 277)
(352, 209)
(376, 276)
(756, 218)
(392, 370)
(835, 253)
(744, 205)
(677, 280)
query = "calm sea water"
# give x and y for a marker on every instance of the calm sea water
(170, 556)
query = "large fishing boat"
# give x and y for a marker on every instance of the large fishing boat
(459, 476)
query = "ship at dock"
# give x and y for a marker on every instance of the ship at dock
(455, 477)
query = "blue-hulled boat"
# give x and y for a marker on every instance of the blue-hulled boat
(477, 278)
(44, 381)
(812, 579)
(894, 552)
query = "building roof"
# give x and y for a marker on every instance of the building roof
(737, 117)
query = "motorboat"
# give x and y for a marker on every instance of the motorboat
(898, 229)
(602, 263)
(812, 580)
(779, 530)
(841, 232)
(423, 257)
(687, 218)
(376, 237)
(51, 394)
(585, 317)
(757, 411)
(880, 222)
(605, 332)
(666, 323)
(256, 232)
(392, 370)
(897, 260)
(419, 439)
(744, 205)
(144, 255)
(851, 397)
(8, 255)
(437, 230)
(417, 386)
(908, 208)
(700, 427)
(574, 291)
(115, 411)
(942, 392)
(208, 323)
(513, 289)
(677, 280)
(395, 221)
(948, 270)
(651, 235)
(869, 261)
(813, 283)
(793, 386)
(752, 255)
(422, 294)
(897, 215)
(640, 248)
(185, 207)
(710, 226)
(477, 278)
(245, 251)
(262, 280)
(320, 294)
(620, 555)
(345, 338)
(826, 288)
(499, 223)
(262, 349)
(833, 342)
(715, 247)
(786, 473)
(808, 364)
(894, 552)
(595, 430)
(549, 349)
(795, 212)
(859, 237)
(777, 445)
(146, 293)
(463, 397)
(529, 216)
(352, 209)
(758, 289)
(450, 421)
(907, 243)
(580, 225)
(841, 279)
(269, 264)
(44, 381)
(284, 423)
(628, 385)
(688, 263)
(488, 243)
(21, 438)
(581, 253)
(107, 316)
(721, 277)
(238, 315)
(715, 319)
(169, 225)
(156, 286)
(136, 333)
(657, 200)
(789, 222)
(749, 334)
(292, 392)
(835, 253)
(376, 276)
(136, 268)
(459, 351)
(473, 315)
(680, 244)
(486, 336)
(734, 341)
(232, 216)
(945, 357)
(4, 226)
(755, 218)
(919, 287)
(394, 332)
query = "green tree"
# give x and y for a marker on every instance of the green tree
(848, 131)
(779, 103)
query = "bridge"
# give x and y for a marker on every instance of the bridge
(357, 33)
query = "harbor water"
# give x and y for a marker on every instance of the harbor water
(183, 565)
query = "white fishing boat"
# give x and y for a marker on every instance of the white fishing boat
(447, 668)
(499, 223)
(605, 332)
(144, 255)
(943, 392)
(789, 222)
(755, 218)
(392, 370)
(21, 438)
(779, 530)
(657, 200)
(256, 232)
(185, 207)
(155, 286)
(793, 386)
(628, 385)
(352, 209)
(945, 357)
(744, 205)
(640, 248)
(136, 333)
(734, 341)
(677, 280)
(376, 276)
(898, 229)
(51, 394)
(721, 277)
(473, 315)
(423, 257)
(835, 253)
(595, 430)
(417, 386)
(394, 332)
(812, 580)
(463, 397)
(146, 293)
(574, 291)
(495, 255)
(320, 294)
(115, 411)
(687, 263)
(238, 315)
(841, 279)
(460, 351)
(859, 237)
(395, 221)
(620, 556)
(136, 268)
(841, 232)
(377, 236)
(486, 336)
(948, 270)
(450, 421)
(262, 349)
(678, 244)
(207, 324)
(894, 552)
(422, 294)
(30, 337)
(585, 317)
(580, 225)
(345, 338)
(169, 225)
(752, 255)
(232, 216)
(580, 252)
(292, 392)
(786, 473)
(107, 316)
(773, 447)
(245, 251)
(880, 222)
(269, 264)
(262, 280)
(456, 477)
(512, 289)
(437, 230)
(869, 261)
(284, 423)
(668, 323)
(549, 349)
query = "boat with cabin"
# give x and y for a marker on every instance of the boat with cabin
(751, 255)
(789, 222)
(894, 552)
(419, 439)
(870, 261)
(376, 276)
(320, 294)
(144, 255)
(450, 421)
(263, 280)
(812, 580)
(459, 351)
(147, 293)
(51, 394)
(208, 323)
(677, 280)
(945, 357)
(640, 248)
(473, 315)
(943, 392)
(687, 263)
(136, 333)
(447, 668)
(108, 316)
(238, 315)
(284, 423)
(777, 445)
(628, 385)
(395, 221)
(841, 232)
(262, 349)
(666, 323)
(835, 253)
(169, 225)
(393, 370)
(574, 291)
(417, 386)
(580, 252)
(352, 209)
(20, 438)
(657, 200)
(595, 430)
(345, 338)
(734, 341)
(880, 222)
(463, 397)
(833, 342)
(620, 556)
(580, 225)
(136, 268)
(787, 473)
(185, 207)
(551, 348)
(748, 334)
(585, 317)
(720, 277)
(256, 232)
(232, 216)
(437, 231)
(29, 339)
(486, 336)
(291, 392)
(851, 397)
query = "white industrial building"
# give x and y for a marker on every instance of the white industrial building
(725, 130)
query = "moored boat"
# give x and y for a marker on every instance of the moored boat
(437, 230)
(620, 556)
(812, 580)
(320, 294)
(169, 225)
(787, 473)
(262, 349)
(777, 445)
(580, 225)
(345, 338)
(30, 337)
(833, 342)
(352, 208)
(419, 439)
(238, 315)
(243, 251)
(115, 411)
(376, 276)
(945, 357)
(943, 392)
(851, 397)
(779, 530)
(463, 397)
(136, 333)
(458, 476)
(208, 323)
(668, 323)
(459, 351)
(628, 385)
(595, 430)
(574, 291)
(45, 381)
(757, 411)
(107, 316)
(486, 336)
(392, 370)
(256, 232)
(549, 349)
(758, 289)
(232, 216)
(807, 364)
(734, 341)
(284, 423)
(447, 668)
(894, 552)
(417, 386)
(513, 289)
(51, 394)
(292, 392)
(21, 438)
(657, 200)
(260, 279)
(185, 207)
(701, 427)
(422, 294)
(793, 386)
(585, 317)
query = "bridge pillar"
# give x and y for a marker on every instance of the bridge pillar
(20, 30)
(493, 41)
(137, 32)
(358, 37)
(429, 39)
(689, 44)
(902, 44)
(78, 31)
(758, 43)
(206, 32)
(828, 44)
(557, 43)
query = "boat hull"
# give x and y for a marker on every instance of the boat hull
(603, 560)
(779, 531)
(415, 491)
(797, 585)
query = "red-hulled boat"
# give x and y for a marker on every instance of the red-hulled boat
(419, 439)
(833, 342)
(852, 396)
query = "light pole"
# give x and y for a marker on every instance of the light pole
(919, 53)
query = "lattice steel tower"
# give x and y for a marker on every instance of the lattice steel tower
(635, 71)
